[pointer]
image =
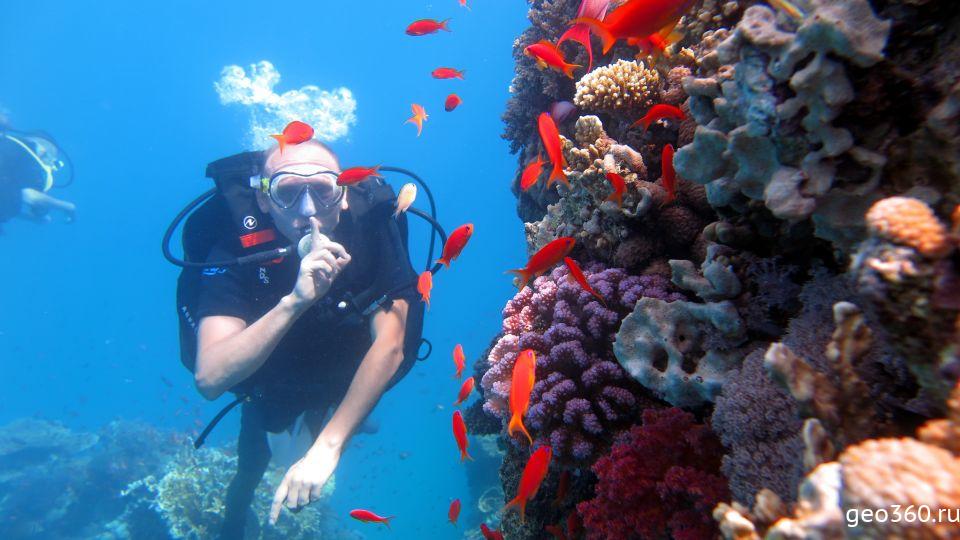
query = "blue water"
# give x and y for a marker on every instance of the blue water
(88, 327)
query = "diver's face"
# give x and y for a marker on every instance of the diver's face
(304, 159)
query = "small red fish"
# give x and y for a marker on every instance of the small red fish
(452, 102)
(460, 434)
(544, 259)
(419, 115)
(521, 385)
(446, 73)
(531, 173)
(454, 511)
(423, 27)
(533, 474)
(580, 32)
(547, 54)
(658, 111)
(635, 19)
(367, 516)
(669, 174)
(573, 524)
(465, 390)
(577, 275)
(619, 186)
(556, 531)
(489, 534)
(459, 360)
(296, 132)
(355, 175)
(463, 3)
(424, 284)
(563, 486)
(550, 136)
(455, 243)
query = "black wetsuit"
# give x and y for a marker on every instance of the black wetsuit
(314, 362)
(18, 170)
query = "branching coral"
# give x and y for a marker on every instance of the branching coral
(582, 396)
(623, 88)
(659, 478)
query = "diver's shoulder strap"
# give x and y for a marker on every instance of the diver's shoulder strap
(236, 167)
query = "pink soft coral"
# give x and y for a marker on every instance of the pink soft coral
(660, 479)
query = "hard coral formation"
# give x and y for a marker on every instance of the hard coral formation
(767, 130)
(909, 222)
(581, 396)
(660, 478)
(624, 87)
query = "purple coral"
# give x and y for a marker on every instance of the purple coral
(582, 396)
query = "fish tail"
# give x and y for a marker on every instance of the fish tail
(444, 262)
(524, 276)
(386, 520)
(520, 502)
(282, 141)
(464, 455)
(443, 25)
(568, 69)
(600, 29)
(516, 423)
(557, 172)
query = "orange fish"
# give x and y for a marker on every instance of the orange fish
(581, 32)
(465, 390)
(419, 115)
(547, 54)
(296, 132)
(635, 19)
(563, 486)
(550, 137)
(488, 534)
(531, 173)
(524, 376)
(463, 3)
(446, 73)
(619, 186)
(459, 360)
(556, 531)
(355, 175)
(423, 27)
(367, 516)
(533, 474)
(658, 111)
(577, 274)
(424, 284)
(454, 511)
(544, 259)
(669, 174)
(460, 434)
(455, 243)
(452, 102)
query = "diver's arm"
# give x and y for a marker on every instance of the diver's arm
(377, 368)
(229, 351)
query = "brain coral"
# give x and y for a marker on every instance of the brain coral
(622, 88)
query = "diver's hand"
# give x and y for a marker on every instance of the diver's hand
(304, 481)
(318, 268)
(38, 205)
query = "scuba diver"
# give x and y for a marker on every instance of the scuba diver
(311, 340)
(30, 166)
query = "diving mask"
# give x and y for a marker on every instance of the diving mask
(286, 188)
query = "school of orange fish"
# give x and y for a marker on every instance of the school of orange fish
(645, 24)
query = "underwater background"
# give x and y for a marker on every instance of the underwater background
(763, 197)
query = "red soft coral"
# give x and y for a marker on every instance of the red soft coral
(661, 478)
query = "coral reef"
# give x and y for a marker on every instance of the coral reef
(582, 396)
(623, 88)
(660, 478)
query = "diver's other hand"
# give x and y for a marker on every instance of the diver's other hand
(303, 483)
(37, 206)
(319, 268)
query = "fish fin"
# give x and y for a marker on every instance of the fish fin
(443, 25)
(464, 456)
(282, 141)
(523, 275)
(444, 262)
(568, 69)
(516, 423)
(386, 520)
(600, 29)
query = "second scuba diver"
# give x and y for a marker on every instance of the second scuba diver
(28, 166)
